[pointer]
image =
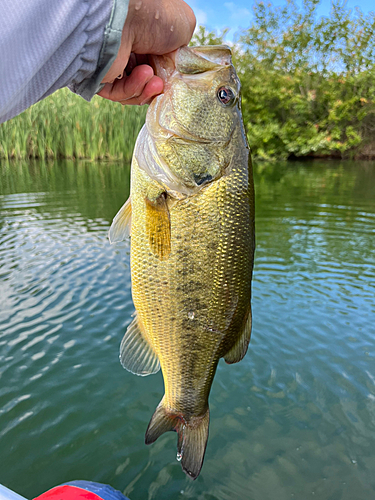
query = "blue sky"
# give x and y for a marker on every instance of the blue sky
(237, 14)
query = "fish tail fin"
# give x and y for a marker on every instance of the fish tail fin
(162, 421)
(192, 442)
(192, 436)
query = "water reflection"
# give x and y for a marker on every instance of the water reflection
(295, 418)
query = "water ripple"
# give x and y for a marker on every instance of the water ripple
(295, 418)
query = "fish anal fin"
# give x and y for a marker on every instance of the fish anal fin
(238, 351)
(158, 226)
(136, 354)
(192, 436)
(121, 225)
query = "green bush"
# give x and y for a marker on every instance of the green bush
(308, 85)
(308, 88)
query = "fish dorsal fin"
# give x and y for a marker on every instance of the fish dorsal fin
(239, 349)
(136, 354)
(121, 225)
(158, 226)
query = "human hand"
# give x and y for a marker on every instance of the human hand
(152, 27)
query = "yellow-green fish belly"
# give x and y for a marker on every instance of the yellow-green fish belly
(193, 304)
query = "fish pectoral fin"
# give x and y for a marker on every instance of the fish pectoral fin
(121, 225)
(239, 349)
(158, 226)
(136, 354)
(192, 436)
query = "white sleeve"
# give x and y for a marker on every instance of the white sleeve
(49, 44)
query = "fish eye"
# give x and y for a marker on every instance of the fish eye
(226, 96)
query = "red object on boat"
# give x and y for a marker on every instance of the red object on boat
(82, 490)
(67, 492)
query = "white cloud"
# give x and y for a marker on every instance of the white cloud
(201, 16)
(238, 14)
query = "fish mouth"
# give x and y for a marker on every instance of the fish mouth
(164, 65)
(191, 60)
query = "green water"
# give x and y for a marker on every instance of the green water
(294, 419)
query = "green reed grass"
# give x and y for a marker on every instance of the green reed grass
(66, 126)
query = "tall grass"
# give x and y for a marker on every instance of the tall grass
(308, 89)
(66, 126)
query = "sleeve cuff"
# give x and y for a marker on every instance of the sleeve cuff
(111, 44)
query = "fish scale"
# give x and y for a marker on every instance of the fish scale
(192, 249)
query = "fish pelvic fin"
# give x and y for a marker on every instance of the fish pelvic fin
(136, 354)
(238, 351)
(121, 225)
(192, 436)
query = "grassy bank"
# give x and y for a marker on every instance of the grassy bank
(308, 89)
(66, 126)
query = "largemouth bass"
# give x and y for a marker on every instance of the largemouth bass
(191, 218)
